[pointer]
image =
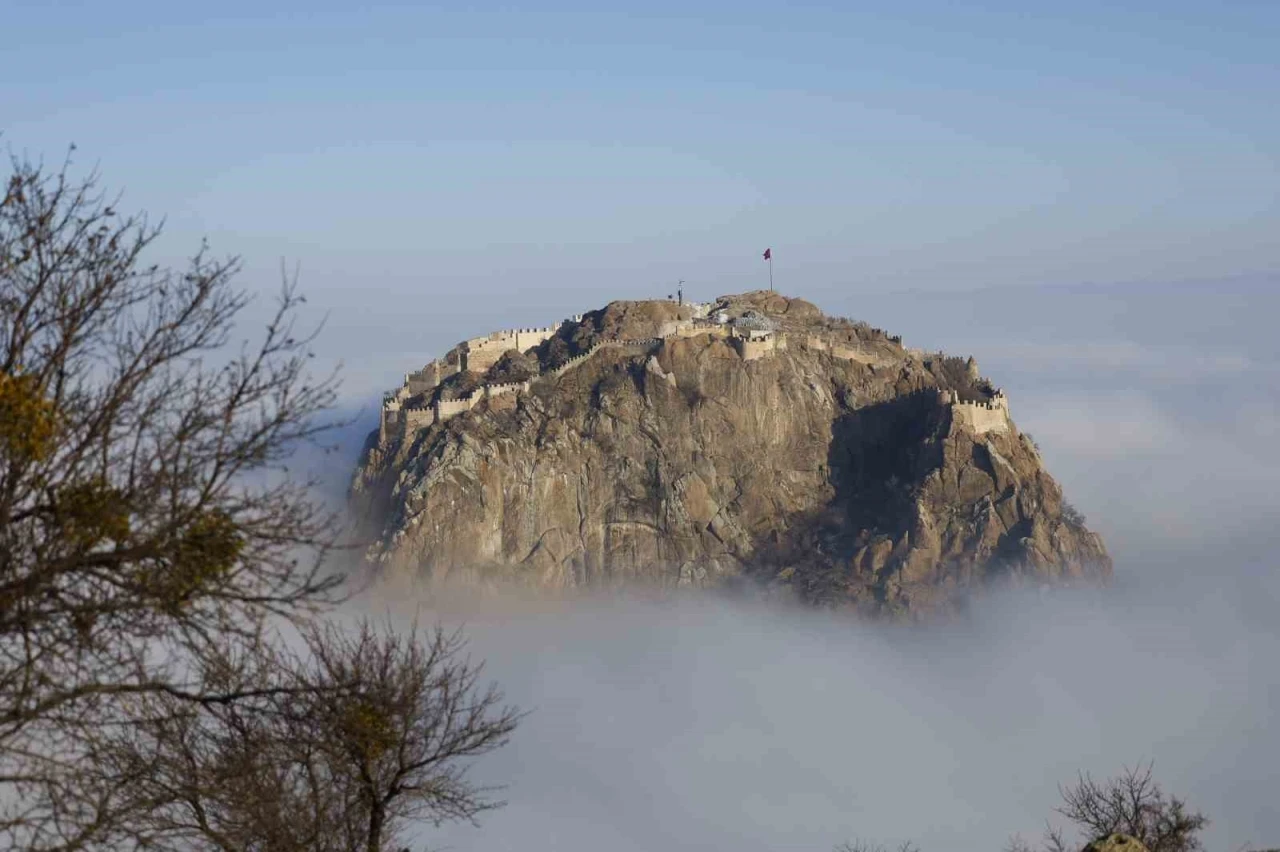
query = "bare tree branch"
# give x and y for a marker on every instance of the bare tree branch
(145, 523)
(349, 742)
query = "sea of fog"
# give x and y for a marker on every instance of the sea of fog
(707, 724)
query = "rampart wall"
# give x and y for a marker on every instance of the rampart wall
(846, 349)
(429, 376)
(484, 351)
(572, 362)
(979, 417)
(504, 388)
(479, 353)
(756, 344)
(417, 418)
(702, 326)
(446, 408)
(389, 420)
(854, 353)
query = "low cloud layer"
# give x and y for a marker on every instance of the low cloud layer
(707, 724)
(698, 724)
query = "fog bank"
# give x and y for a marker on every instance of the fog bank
(697, 724)
(700, 723)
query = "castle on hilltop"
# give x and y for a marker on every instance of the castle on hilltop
(420, 402)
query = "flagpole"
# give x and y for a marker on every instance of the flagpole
(770, 272)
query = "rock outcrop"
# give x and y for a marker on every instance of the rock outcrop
(749, 441)
(1116, 843)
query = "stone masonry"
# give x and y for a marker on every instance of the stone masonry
(399, 419)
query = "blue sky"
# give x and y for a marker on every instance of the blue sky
(561, 147)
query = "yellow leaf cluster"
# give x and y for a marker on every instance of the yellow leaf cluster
(28, 420)
(368, 728)
(91, 513)
(205, 551)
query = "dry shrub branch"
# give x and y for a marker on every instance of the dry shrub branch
(151, 546)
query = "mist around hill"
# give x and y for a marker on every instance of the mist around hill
(703, 723)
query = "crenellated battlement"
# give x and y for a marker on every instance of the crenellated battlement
(755, 343)
(480, 353)
(845, 347)
(980, 416)
(505, 389)
(446, 408)
(572, 362)
(753, 337)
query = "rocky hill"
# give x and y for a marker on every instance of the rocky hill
(752, 440)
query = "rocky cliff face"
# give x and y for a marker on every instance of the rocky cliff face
(777, 446)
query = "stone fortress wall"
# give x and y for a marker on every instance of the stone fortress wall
(480, 353)
(429, 376)
(848, 348)
(752, 342)
(980, 417)
(755, 343)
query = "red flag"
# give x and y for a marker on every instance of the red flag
(768, 254)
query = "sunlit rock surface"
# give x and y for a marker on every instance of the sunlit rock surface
(752, 441)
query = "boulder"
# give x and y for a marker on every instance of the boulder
(1116, 843)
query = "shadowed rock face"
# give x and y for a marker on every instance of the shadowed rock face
(832, 469)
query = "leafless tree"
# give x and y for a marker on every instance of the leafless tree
(1131, 803)
(371, 730)
(867, 846)
(145, 523)
(1017, 843)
